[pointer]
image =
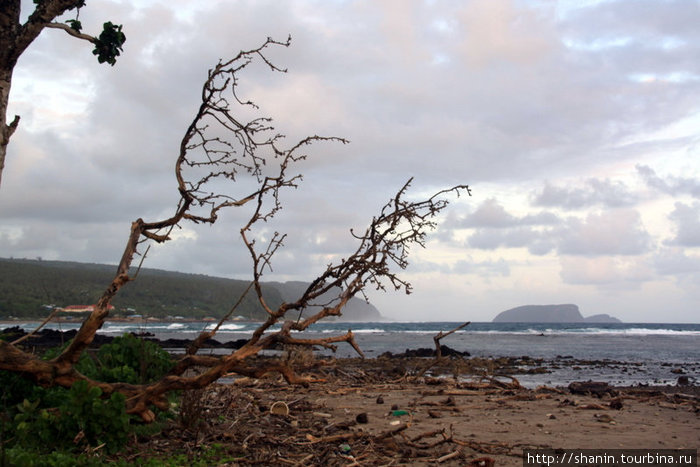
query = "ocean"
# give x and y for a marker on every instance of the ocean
(620, 353)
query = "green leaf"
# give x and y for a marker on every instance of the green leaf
(75, 25)
(108, 45)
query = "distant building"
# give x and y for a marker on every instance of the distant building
(81, 308)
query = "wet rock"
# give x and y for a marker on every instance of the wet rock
(53, 338)
(426, 353)
(362, 417)
(594, 388)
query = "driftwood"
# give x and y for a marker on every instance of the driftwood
(441, 335)
(219, 147)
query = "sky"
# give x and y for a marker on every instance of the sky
(575, 123)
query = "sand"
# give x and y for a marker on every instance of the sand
(362, 415)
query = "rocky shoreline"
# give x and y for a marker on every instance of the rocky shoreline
(410, 408)
(415, 361)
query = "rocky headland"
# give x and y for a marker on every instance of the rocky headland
(567, 313)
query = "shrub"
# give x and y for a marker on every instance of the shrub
(41, 420)
(83, 417)
(129, 359)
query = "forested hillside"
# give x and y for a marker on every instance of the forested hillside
(26, 286)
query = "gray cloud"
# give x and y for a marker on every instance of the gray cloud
(595, 192)
(491, 213)
(617, 232)
(486, 92)
(612, 232)
(687, 221)
(671, 185)
(673, 261)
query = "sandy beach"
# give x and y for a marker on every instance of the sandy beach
(362, 415)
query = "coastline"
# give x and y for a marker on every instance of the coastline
(410, 410)
(554, 360)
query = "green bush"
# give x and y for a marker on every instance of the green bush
(83, 417)
(129, 359)
(42, 420)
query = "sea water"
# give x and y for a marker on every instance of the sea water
(630, 353)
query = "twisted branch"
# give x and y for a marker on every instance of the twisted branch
(216, 146)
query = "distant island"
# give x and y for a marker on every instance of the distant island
(567, 313)
(32, 288)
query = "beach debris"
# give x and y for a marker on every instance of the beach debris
(548, 390)
(604, 418)
(592, 407)
(616, 403)
(361, 417)
(380, 399)
(398, 413)
(345, 448)
(450, 401)
(449, 456)
(483, 462)
(441, 335)
(279, 408)
(592, 388)
(568, 403)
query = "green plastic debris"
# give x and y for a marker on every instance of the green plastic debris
(345, 448)
(398, 413)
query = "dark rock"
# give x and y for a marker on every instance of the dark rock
(361, 417)
(47, 338)
(424, 352)
(594, 388)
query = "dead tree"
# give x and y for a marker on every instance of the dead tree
(218, 146)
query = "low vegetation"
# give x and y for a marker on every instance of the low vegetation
(53, 425)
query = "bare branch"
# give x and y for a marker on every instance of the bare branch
(72, 32)
(439, 336)
(220, 146)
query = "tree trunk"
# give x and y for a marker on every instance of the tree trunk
(6, 129)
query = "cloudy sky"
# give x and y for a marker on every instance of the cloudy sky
(576, 123)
